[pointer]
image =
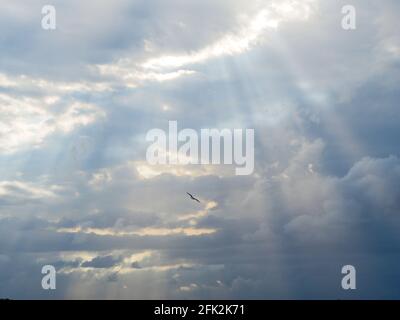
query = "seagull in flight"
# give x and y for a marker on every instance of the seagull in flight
(193, 198)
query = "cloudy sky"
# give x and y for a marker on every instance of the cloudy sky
(76, 191)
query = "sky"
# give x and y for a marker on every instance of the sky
(76, 191)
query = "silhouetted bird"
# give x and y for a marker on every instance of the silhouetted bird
(193, 198)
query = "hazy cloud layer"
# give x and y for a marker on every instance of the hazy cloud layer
(76, 191)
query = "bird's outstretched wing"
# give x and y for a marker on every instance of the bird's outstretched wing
(193, 198)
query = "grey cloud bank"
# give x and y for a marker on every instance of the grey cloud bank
(76, 190)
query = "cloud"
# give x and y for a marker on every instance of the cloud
(28, 121)
(190, 231)
(101, 262)
(77, 192)
(242, 40)
(232, 43)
